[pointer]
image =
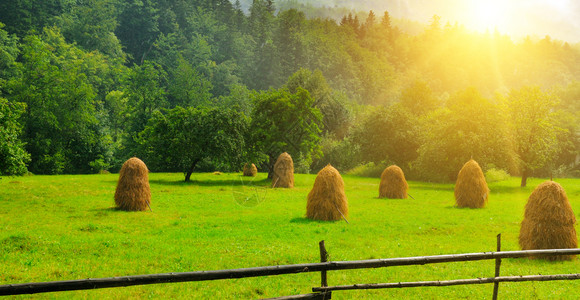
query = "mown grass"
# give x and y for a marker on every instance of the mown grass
(64, 227)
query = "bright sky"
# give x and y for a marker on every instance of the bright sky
(558, 18)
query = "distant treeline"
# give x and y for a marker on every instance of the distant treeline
(84, 85)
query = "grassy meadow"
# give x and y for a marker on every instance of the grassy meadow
(64, 227)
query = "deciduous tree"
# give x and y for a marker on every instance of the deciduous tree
(181, 138)
(535, 130)
(285, 122)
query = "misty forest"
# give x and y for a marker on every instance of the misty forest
(200, 85)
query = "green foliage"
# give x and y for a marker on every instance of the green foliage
(238, 99)
(181, 138)
(387, 134)
(285, 122)
(535, 127)
(188, 87)
(342, 154)
(119, 62)
(91, 25)
(290, 40)
(469, 127)
(371, 169)
(24, 16)
(138, 28)
(8, 53)
(418, 98)
(495, 175)
(145, 93)
(61, 129)
(336, 113)
(13, 157)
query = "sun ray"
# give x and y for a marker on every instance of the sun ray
(489, 15)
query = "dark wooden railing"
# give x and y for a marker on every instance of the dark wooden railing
(322, 292)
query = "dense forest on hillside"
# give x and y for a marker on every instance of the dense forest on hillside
(198, 85)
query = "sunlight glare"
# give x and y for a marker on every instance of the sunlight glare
(489, 15)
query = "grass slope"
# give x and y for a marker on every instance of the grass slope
(64, 227)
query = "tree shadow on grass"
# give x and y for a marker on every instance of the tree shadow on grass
(228, 182)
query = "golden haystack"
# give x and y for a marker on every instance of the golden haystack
(250, 170)
(548, 221)
(326, 200)
(393, 184)
(471, 188)
(283, 172)
(133, 193)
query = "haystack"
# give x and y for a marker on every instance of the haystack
(393, 184)
(283, 172)
(133, 193)
(250, 170)
(471, 188)
(548, 221)
(326, 200)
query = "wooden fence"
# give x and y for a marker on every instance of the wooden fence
(322, 292)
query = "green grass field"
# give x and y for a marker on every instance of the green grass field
(65, 227)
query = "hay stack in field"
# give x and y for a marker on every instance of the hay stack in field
(133, 193)
(548, 221)
(283, 172)
(471, 188)
(393, 184)
(327, 200)
(250, 170)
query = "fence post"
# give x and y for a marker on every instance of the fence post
(323, 258)
(497, 266)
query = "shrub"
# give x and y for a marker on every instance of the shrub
(368, 170)
(495, 175)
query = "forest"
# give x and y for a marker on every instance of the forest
(204, 85)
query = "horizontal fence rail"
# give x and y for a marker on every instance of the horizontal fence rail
(447, 282)
(97, 283)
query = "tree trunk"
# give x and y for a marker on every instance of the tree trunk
(190, 171)
(524, 177)
(271, 162)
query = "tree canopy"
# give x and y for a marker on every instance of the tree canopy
(183, 137)
(87, 84)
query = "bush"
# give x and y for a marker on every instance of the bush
(302, 165)
(368, 170)
(494, 175)
(341, 154)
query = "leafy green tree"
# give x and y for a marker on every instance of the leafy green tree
(535, 128)
(188, 87)
(91, 25)
(290, 40)
(144, 88)
(13, 157)
(138, 28)
(569, 118)
(62, 133)
(24, 15)
(238, 99)
(418, 98)
(469, 127)
(336, 113)
(9, 52)
(387, 134)
(285, 122)
(180, 139)
(264, 70)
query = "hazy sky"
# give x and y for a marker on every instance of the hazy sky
(558, 18)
